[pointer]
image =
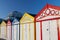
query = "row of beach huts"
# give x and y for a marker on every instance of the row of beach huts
(43, 26)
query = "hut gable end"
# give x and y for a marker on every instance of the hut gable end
(48, 12)
(26, 18)
(15, 21)
(3, 23)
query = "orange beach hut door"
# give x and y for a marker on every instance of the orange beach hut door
(9, 30)
(48, 23)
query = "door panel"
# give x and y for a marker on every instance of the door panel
(31, 31)
(45, 30)
(53, 30)
(26, 31)
(8, 32)
(15, 32)
(3, 32)
(38, 36)
(21, 31)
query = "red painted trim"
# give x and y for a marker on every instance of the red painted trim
(58, 28)
(40, 12)
(35, 28)
(49, 19)
(41, 30)
(47, 6)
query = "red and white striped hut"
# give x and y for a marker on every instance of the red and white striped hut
(48, 23)
(9, 30)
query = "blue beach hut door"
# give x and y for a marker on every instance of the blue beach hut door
(15, 30)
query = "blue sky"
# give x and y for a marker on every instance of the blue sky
(31, 6)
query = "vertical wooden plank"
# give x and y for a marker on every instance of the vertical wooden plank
(8, 32)
(27, 31)
(59, 29)
(45, 30)
(53, 30)
(31, 31)
(3, 30)
(38, 37)
(15, 32)
(23, 32)
(17, 35)
(21, 37)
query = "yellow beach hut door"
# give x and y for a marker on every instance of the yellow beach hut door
(27, 27)
(3, 30)
(9, 30)
(15, 29)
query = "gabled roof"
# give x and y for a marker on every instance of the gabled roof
(15, 21)
(9, 22)
(27, 18)
(49, 11)
(3, 23)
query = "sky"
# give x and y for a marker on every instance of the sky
(31, 6)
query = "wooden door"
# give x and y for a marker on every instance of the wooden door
(45, 30)
(3, 32)
(8, 32)
(31, 31)
(53, 30)
(21, 31)
(15, 32)
(26, 32)
(49, 30)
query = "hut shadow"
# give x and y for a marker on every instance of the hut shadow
(2, 39)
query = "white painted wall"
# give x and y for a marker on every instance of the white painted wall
(15, 32)
(9, 33)
(45, 30)
(53, 30)
(21, 32)
(3, 32)
(31, 31)
(27, 31)
(38, 37)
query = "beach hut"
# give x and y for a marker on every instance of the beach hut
(0, 26)
(15, 29)
(3, 30)
(9, 30)
(48, 23)
(27, 27)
